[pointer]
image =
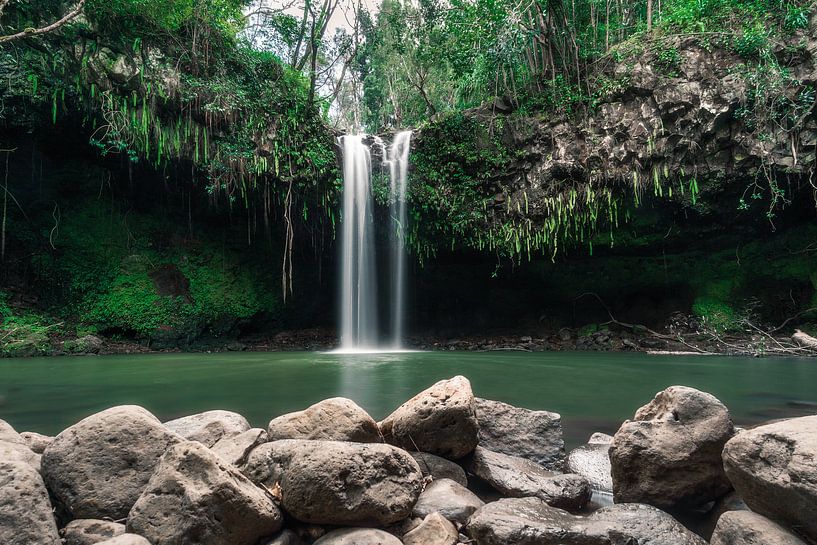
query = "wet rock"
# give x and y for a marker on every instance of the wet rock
(90, 531)
(747, 528)
(521, 478)
(98, 467)
(209, 427)
(26, 517)
(592, 461)
(35, 441)
(439, 468)
(451, 500)
(194, 498)
(535, 435)
(531, 521)
(336, 419)
(440, 420)
(333, 482)
(669, 455)
(358, 536)
(19, 452)
(433, 530)
(774, 470)
(235, 449)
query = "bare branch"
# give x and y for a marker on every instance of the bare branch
(43, 30)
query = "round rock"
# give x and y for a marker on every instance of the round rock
(440, 468)
(774, 470)
(440, 420)
(26, 517)
(451, 500)
(98, 467)
(336, 419)
(90, 531)
(433, 530)
(669, 456)
(748, 528)
(209, 427)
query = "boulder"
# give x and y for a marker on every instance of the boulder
(19, 452)
(284, 537)
(599, 438)
(451, 500)
(235, 449)
(439, 468)
(535, 435)
(440, 420)
(748, 528)
(531, 521)
(774, 470)
(592, 461)
(98, 467)
(336, 419)
(26, 516)
(669, 456)
(9, 434)
(36, 441)
(338, 483)
(434, 530)
(209, 427)
(90, 531)
(521, 478)
(358, 536)
(194, 498)
(126, 539)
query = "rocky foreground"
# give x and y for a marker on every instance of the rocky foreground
(445, 468)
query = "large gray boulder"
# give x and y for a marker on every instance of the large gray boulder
(209, 427)
(194, 498)
(26, 517)
(433, 530)
(335, 419)
(436, 467)
(236, 448)
(748, 528)
(520, 478)
(358, 536)
(535, 435)
(90, 531)
(774, 469)
(454, 502)
(340, 483)
(531, 521)
(440, 420)
(669, 456)
(592, 461)
(98, 467)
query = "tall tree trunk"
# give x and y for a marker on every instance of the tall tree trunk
(649, 15)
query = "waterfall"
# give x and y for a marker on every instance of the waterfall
(359, 324)
(398, 171)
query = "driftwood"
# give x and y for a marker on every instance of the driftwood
(804, 339)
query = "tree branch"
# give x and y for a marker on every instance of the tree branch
(43, 30)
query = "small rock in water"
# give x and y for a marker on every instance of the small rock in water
(335, 419)
(454, 502)
(209, 427)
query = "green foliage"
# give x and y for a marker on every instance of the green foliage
(716, 314)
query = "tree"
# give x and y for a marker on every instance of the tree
(69, 15)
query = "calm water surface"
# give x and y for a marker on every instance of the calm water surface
(592, 391)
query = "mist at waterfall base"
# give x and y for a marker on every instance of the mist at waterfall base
(366, 324)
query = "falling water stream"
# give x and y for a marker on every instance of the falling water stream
(360, 329)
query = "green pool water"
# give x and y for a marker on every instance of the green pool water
(592, 391)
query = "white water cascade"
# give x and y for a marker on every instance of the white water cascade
(360, 329)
